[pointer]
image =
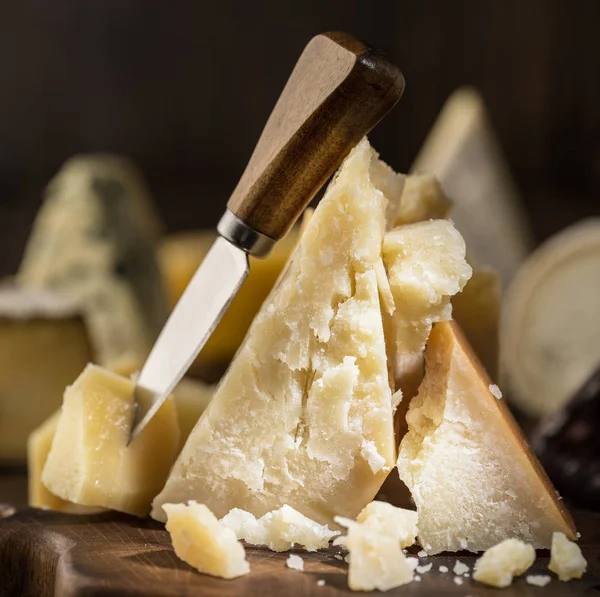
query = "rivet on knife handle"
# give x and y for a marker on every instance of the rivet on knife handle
(338, 91)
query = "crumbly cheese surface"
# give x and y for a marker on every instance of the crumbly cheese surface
(499, 564)
(471, 475)
(384, 518)
(304, 415)
(566, 559)
(279, 530)
(376, 557)
(200, 540)
(90, 462)
(295, 562)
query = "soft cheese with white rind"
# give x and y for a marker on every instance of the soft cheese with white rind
(90, 462)
(200, 540)
(94, 241)
(471, 474)
(304, 415)
(279, 530)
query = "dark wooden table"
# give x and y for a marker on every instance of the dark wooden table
(51, 554)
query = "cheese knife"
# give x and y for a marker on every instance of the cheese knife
(338, 91)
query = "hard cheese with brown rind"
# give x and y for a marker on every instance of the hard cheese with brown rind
(472, 477)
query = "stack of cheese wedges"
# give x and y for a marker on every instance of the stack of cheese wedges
(304, 417)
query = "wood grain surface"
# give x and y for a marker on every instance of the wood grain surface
(46, 553)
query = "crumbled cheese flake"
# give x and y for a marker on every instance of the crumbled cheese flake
(495, 391)
(458, 580)
(425, 568)
(295, 562)
(422, 553)
(460, 568)
(320, 583)
(537, 580)
(443, 568)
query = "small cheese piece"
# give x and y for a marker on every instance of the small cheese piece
(44, 345)
(476, 309)
(38, 448)
(551, 321)
(499, 564)
(90, 462)
(376, 558)
(459, 430)
(94, 240)
(460, 568)
(426, 267)
(201, 541)
(538, 580)
(382, 517)
(295, 562)
(279, 530)
(566, 559)
(308, 388)
(179, 257)
(463, 153)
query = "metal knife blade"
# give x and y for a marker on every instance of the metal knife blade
(199, 310)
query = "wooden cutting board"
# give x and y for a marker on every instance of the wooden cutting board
(51, 554)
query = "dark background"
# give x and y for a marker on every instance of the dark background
(184, 88)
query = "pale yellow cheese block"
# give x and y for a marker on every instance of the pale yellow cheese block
(462, 151)
(304, 415)
(44, 345)
(38, 448)
(471, 474)
(180, 255)
(476, 309)
(551, 321)
(90, 462)
(500, 563)
(200, 540)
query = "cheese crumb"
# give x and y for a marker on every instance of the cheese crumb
(320, 583)
(384, 518)
(417, 578)
(422, 553)
(537, 580)
(6, 510)
(495, 391)
(458, 580)
(412, 562)
(443, 568)
(566, 559)
(370, 453)
(497, 566)
(200, 540)
(460, 568)
(425, 568)
(295, 562)
(280, 530)
(337, 556)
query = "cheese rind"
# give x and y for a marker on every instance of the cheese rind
(94, 241)
(499, 564)
(308, 389)
(90, 462)
(280, 530)
(472, 477)
(44, 345)
(566, 559)
(200, 540)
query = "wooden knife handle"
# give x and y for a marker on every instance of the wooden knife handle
(338, 91)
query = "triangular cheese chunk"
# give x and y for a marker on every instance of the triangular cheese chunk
(304, 415)
(471, 474)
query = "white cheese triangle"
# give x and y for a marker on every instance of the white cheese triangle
(472, 477)
(304, 415)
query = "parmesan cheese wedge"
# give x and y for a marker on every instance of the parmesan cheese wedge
(200, 540)
(472, 477)
(90, 462)
(304, 415)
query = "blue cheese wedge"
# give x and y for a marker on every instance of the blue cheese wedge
(94, 241)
